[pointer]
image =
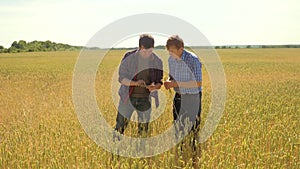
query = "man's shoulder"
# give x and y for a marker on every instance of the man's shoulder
(191, 56)
(156, 58)
(129, 53)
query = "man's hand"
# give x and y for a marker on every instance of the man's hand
(170, 84)
(153, 87)
(139, 83)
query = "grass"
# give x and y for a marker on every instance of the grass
(259, 129)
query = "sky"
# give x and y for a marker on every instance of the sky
(223, 22)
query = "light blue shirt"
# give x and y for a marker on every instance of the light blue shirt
(185, 69)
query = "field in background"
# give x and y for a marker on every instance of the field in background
(259, 129)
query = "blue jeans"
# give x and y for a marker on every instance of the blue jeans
(143, 108)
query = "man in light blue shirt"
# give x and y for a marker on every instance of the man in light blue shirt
(186, 80)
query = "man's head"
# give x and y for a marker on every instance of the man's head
(146, 45)
(175, 46)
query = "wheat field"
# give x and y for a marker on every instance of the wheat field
(260, 127)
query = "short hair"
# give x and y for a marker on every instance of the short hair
(176, 41)
(147, 41)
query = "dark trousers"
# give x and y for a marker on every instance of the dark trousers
(143, 108)
(182, 114)
(177, 106)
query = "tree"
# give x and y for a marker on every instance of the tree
(14, 44)
(22, 44)
(48, 43)
(1, 49)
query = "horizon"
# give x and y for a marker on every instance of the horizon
(155, 46)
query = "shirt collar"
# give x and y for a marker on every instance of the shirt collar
(138, 55)
(183, 55)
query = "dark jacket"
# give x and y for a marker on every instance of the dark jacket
(128, 69)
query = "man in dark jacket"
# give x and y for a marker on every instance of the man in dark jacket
(140, 74)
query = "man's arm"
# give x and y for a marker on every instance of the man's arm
(188, 84)
(124, 71)
(196, 70)
(128, 82)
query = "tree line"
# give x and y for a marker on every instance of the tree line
(38, 46)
